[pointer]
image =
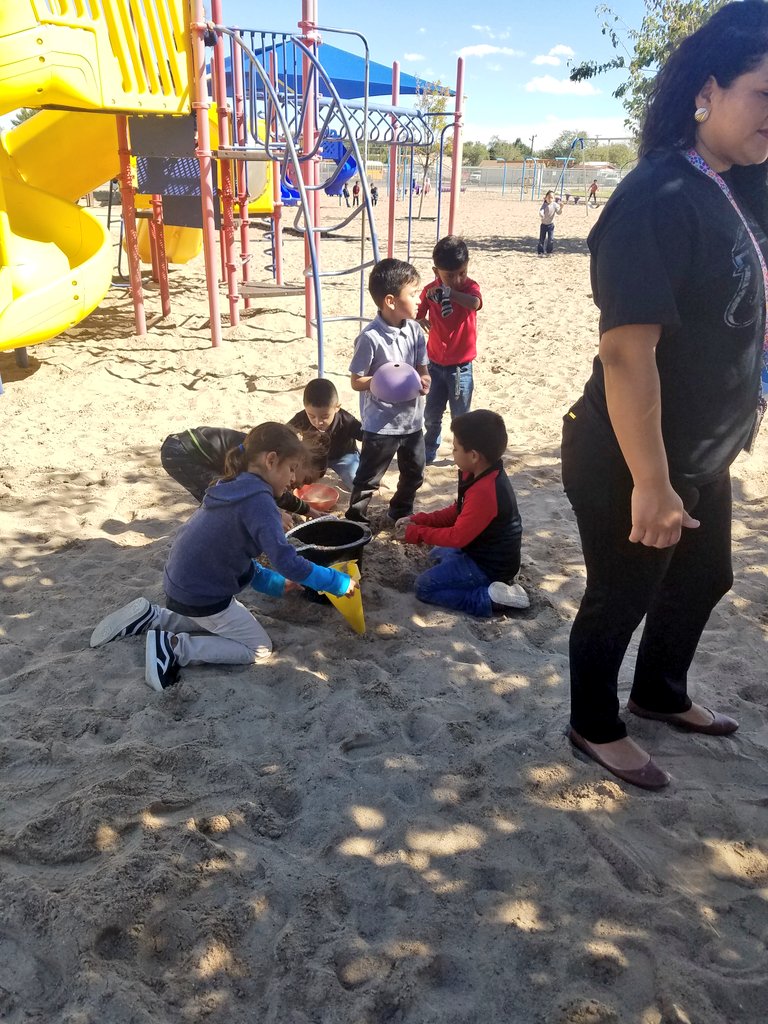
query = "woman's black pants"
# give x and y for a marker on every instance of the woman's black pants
(675, 588)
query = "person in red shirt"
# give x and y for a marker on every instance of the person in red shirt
(477, 538)
(448, 312)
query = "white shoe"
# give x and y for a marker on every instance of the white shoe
(508, 595)
(130, 620)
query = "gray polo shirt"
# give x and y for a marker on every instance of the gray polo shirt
(380, 343)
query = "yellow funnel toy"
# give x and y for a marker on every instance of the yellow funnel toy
(350, 607)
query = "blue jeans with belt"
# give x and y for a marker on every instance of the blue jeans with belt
(452, 386)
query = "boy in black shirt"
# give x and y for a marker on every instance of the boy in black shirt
(323, 417)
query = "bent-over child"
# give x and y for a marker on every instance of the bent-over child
(195, 458)
(322, 417)
(448, 309)
(390, 428)
(477, 538)
(212, 559)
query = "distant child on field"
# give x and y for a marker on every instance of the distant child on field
(548, 210)
(212, 559)
(478, 537)
(448, 310)
(196, 458)
(323, 417)
(374, 194)
(390, 428)
(593, 193)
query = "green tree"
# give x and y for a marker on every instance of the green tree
(561, 146)
(475, 153)
(23, 114)
(431, 98)
(501, 149)
(642, 51)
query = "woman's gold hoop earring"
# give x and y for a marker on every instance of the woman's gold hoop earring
(701, 115)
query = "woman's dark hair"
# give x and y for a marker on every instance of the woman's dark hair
(481, 431)
(733, 42)
(389, 277)
(267, 437)
(450, 253)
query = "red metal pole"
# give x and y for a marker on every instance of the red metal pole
(200, 105)
(227, 193)
(277, 202)
(458, 148)
(153, 248)
(160, 254)
(242, 185)
(308, 37)
(127, 193)
(392, 174)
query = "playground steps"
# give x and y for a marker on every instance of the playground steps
(253, 289)
(242, 153)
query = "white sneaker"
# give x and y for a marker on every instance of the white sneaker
(130, 620)
(508, 595)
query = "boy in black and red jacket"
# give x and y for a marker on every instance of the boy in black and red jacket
(477, 538)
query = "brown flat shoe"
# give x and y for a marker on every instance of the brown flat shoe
(650, 776)
(721, 725)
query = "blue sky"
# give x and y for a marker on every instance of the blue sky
(516, 54)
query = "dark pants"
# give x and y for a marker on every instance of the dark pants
(376, 454)
(546, 234)
(186, 469)
(675, 588)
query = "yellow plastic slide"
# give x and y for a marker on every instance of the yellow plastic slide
(55, 257)
(104, 57)
(95, 59)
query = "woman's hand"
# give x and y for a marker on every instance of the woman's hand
(287, 518)
(658, 516)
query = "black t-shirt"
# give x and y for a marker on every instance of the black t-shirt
(670, 249)
(342, 433)
(211, 444)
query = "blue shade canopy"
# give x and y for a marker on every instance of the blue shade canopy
(346, 71)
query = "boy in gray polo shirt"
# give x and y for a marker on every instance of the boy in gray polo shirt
(390, 428)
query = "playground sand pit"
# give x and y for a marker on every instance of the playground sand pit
(386, 828)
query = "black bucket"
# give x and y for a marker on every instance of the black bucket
(327, 540)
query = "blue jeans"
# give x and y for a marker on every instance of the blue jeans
(546, 235)
(345, 468)
(452, 386)
(456, 582)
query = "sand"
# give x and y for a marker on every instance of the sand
(388, 828)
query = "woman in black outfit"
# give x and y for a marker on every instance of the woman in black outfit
(679, 274)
